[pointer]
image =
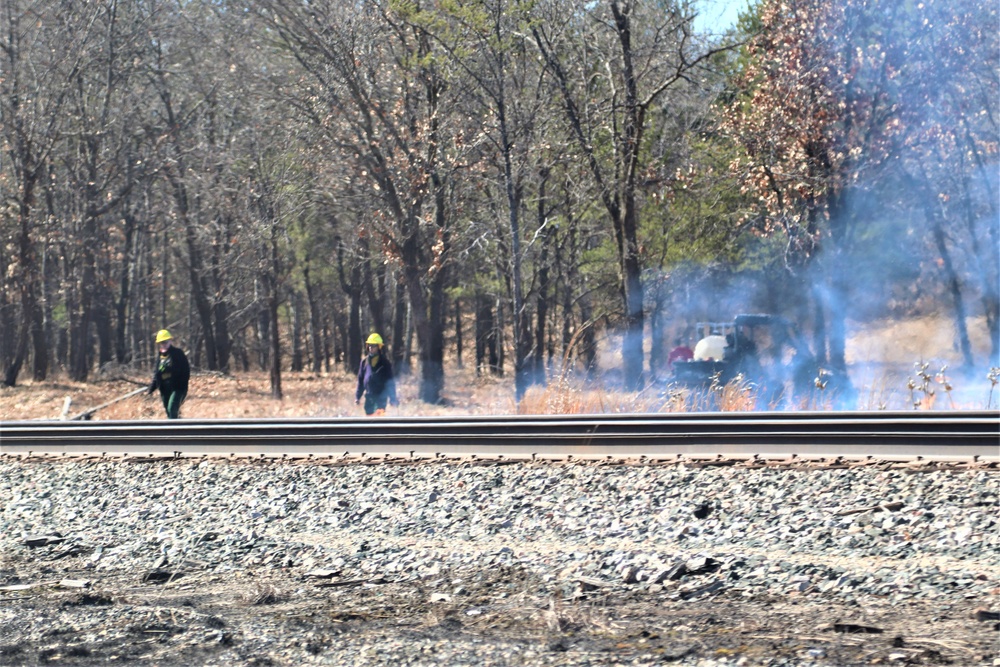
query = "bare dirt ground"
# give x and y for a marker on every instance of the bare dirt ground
(274, 618)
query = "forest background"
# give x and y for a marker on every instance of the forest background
(524, 180)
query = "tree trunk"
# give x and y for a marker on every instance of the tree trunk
(272, 282)
(275, 343)
(567, 326)
(521, 329)
(588, 340)
(837, 295)
(315, 322)
(328, 345)
(657, 335)
(626, 226)
(223, 346)
(104, 330)
(427, 309)
(8, 321)
(541, 322)
(429, 389)
(80, 341)
(355, 337)
(500, 329)
(39, 344)
(29, 306)
(62, 346)
(340, 347)
(32, 326)
(203, 306)
(263, 328)
(243, 354)
(399, 352)
(432, 360)
(354, 290)
(374, 286)
(486, 338)
(955, 289)
(20, 349)
(297, 326)
(129, 260)
(617, 192)
(458, 332)
(193, 261)
(986, 249)
(408, 347)
(544, 287)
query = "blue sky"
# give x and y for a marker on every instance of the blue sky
(717, 15)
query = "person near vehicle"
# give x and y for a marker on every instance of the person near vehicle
(681, 352)
(171, 375)
(375, 379)
(741, 350)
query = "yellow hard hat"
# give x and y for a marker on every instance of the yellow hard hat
(163, 335)
(374, 339)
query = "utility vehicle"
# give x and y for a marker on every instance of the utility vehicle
(766, 351)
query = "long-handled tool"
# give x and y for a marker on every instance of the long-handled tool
(86, 414)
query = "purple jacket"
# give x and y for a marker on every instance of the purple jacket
(379, 381)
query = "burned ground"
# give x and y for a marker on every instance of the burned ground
(271, 617)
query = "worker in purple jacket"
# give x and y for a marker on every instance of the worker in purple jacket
(375, 379)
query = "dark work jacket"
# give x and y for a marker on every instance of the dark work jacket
(172, 373)
(377, 381)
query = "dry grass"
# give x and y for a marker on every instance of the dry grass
(900, 342)
(237, 396)
(308, 395)
(920, 381)
(563, 397)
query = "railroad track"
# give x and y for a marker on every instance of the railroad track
(899, 436)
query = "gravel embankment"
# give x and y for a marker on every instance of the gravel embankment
(267, 563)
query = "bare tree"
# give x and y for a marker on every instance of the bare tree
(836, 96)
(267, 207)
(381, 103)
(611, 62)
(199, 125)
(487, 41)
(102, 160)
(43, 45)
(955, 92)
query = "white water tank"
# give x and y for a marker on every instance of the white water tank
(710, 348)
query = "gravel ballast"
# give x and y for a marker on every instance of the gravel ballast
(266, 562)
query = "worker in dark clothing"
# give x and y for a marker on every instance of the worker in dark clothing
(741, 352)
(375, 378)
(171, 375)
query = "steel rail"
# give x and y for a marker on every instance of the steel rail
(971, 435)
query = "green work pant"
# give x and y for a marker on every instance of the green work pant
(374, 404)
(172, 403)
